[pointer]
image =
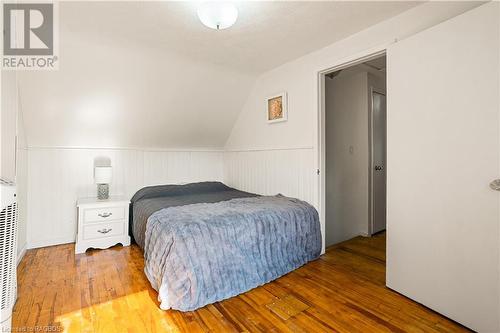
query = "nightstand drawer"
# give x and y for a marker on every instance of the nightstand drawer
(104, 214)
(100, 230)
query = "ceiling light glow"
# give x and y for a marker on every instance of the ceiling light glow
(217, 15)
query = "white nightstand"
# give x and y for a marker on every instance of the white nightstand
(102, 223)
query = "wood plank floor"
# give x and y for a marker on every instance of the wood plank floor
(106, 291)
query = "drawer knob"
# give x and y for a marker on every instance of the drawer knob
(104, 231)
(104, 215)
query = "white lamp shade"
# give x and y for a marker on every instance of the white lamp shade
(103, 175)
(217, 14)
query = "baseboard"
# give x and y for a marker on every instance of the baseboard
(51, 242)
(20, 254)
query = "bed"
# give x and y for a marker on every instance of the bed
(205, 242)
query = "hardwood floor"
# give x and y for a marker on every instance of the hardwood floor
(106, 291)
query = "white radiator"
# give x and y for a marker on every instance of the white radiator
(8, 252)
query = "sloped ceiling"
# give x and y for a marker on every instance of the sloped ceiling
(150, 75)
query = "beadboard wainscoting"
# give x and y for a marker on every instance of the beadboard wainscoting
(290, 172)
(58, 176)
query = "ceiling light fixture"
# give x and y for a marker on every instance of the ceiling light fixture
(217, 15)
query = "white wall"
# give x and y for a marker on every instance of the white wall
(58, 176)
(14, 156)
(269, 172)
(347, 156)
(300, 79)
(129, 101)
(21, 183)
(8, 116)
(118, 94)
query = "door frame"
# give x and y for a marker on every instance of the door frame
(371, 163)
(321, 129)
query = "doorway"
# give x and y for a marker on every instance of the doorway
(355, 170)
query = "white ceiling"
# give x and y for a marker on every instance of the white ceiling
(266, 34)
(150, 75)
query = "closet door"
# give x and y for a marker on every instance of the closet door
(443, 151)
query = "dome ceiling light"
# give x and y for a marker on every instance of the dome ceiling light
(217, 15)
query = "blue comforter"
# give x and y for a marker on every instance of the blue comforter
(203, 253)
(154, 198)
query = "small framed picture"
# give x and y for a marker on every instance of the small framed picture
(277, 108)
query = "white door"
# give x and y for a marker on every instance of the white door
(378, 166)
(442, 153)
